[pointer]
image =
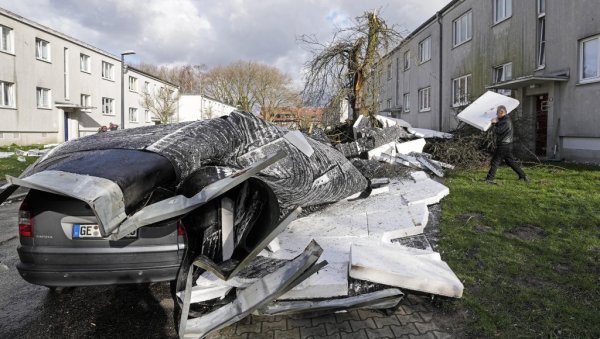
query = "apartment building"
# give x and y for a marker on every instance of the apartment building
(545, 53)
(201, 107)
(55, 88)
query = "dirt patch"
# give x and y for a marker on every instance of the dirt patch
(482, 229)
(526, 232)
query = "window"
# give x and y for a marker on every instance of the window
(148, 116)
(132, 84)
(43, 97)
(389, 71)
(462, 29)
(541, 33)
(108, 71)
(86, 102)
(146, 86)
(406, 60)
(425, 99)
(133, 114)
(502, 10)
(397, 81)
(7, 94)
(388, 103)
(460, 90)
(503, 73)
(589, 68)
(406, 99)
(42, 49)
(541, 7)
(7, 39)
(425, 50)
(108, 106)
(84, 63)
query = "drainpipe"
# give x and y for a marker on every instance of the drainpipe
(440, 77)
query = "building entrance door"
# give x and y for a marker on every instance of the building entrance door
(541, 124)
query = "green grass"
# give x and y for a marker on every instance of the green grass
(541, 280)
(11, 166)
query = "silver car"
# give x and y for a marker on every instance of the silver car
(61, 244)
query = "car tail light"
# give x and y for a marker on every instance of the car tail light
(25, 221)
(180, 229)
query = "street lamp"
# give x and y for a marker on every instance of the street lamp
(123, 69)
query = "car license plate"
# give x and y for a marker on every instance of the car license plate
(92, 231)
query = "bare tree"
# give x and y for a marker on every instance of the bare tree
(251, 86)
(342, 68)
(187, 77)
(162, 103)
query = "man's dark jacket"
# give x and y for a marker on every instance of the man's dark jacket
(504, 131)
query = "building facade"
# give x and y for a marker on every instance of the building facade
(201, 107)
(545, 53)
(56, 88)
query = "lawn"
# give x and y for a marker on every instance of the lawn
(527, 253)
(12, 166)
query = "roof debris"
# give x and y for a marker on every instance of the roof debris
(239, 183)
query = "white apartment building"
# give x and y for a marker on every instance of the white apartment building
(201, 107)
(55, 88)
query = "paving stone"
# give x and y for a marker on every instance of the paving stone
(404, 329)
(442, 335)
(368, 314)
(316, 331)
(351, 315)
(427, 316)
(425, 327)
(218, 335)
(341, 327)
(385, 332)
(359, 324)
(423, 336)
(247, 328)
(245, 321)
(387, 321)
(324, 319)
(228, 331)
(410, 318)
(360, 334)
(288, 334)
(296, 323)
(333, 336)
(263, 335)
(274, 325)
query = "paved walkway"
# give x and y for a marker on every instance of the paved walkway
(416, 318)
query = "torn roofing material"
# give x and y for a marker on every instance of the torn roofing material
(253, 297)
(235, 141)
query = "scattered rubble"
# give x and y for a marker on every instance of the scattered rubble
(239, 185)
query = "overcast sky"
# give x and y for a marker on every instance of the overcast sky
(212, 32)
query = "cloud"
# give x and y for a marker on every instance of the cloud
(213, 32)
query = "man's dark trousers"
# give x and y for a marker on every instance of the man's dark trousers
(504, 152)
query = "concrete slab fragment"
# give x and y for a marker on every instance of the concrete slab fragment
(480, 113)
(324, 226)
(375, 153)
(429, 133)
(410, 146)
(419, 273)
(427, 192)
(329, 282)
(397, 223)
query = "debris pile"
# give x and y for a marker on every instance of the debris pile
(238, 184)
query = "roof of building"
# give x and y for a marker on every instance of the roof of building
(151, 76)
(423, 26)
(56, 33)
